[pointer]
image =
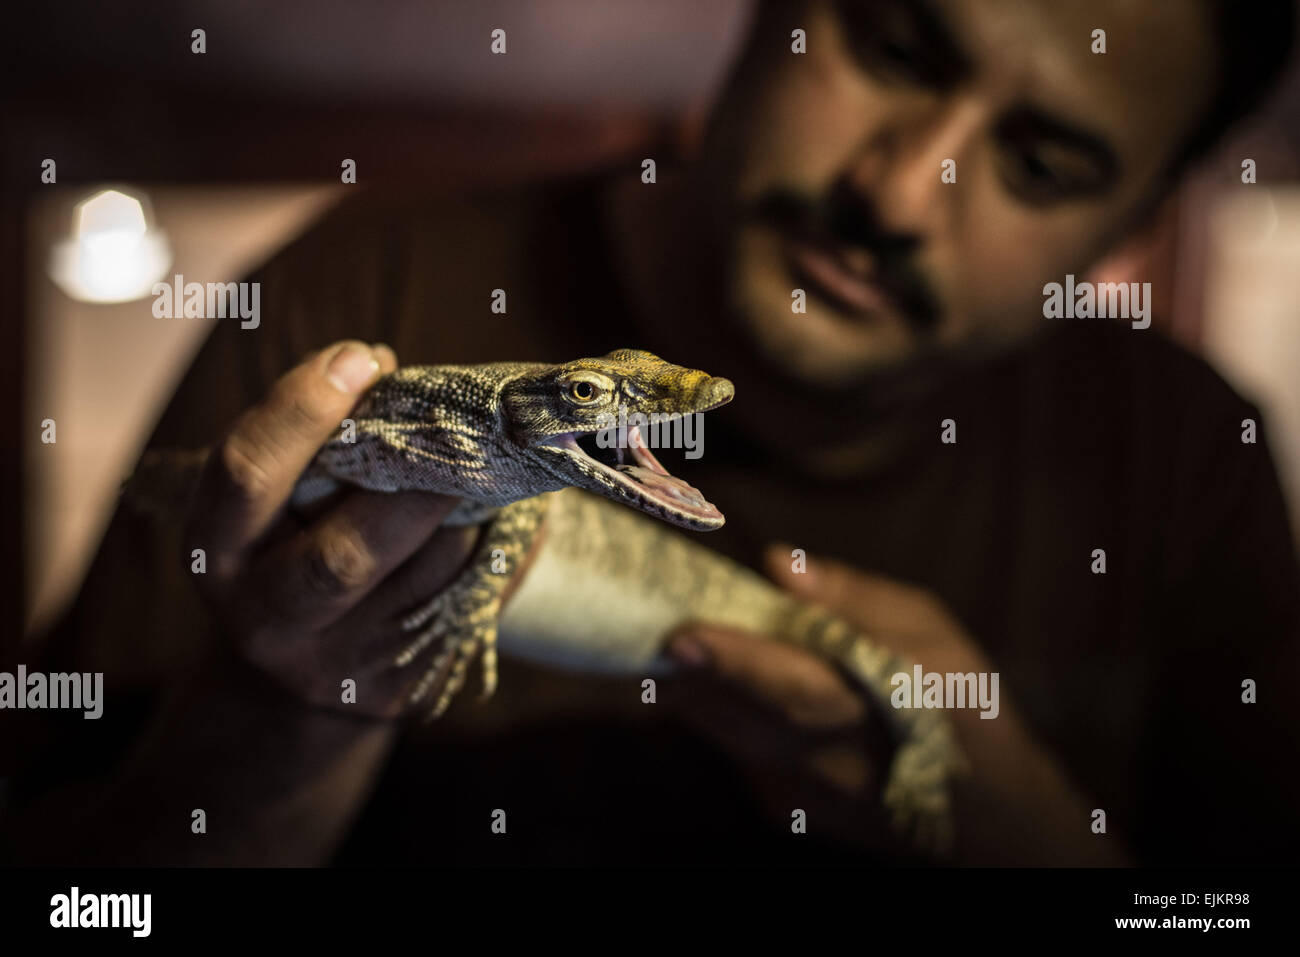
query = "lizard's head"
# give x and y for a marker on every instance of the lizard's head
(568, 418)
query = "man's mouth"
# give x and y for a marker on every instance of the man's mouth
(846, 277)
(636, 476)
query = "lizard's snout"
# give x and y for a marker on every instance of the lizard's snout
(715, 391)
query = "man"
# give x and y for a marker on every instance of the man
(919, 174)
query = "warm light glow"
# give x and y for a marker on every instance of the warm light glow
(113, 255)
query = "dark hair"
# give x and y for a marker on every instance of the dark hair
(1254, 41)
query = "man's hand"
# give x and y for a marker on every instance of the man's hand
(810, 735)
(314, 604)
(310, 603)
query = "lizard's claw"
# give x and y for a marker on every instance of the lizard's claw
(463, 617)
(465, 652)
(422, 641)
(464, 621)
(489, 668)
(426, 611)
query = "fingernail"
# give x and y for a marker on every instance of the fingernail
(689, 651)
(352, 369)
(382, 350)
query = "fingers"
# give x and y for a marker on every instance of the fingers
(905, 618)
(880, 606)
(251, 474)
(372, 631)
(841, 589)
(373, 626)
(319, 574)
(799, 684)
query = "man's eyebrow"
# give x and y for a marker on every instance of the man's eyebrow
(934, 29)
(1027, 120)
(944, 56)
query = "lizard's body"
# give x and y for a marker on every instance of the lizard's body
(606, 585)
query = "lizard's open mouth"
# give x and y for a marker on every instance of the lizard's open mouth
(636, 476)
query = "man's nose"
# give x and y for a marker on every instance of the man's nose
(901, 165)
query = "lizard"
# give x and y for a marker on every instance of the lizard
(523, 442)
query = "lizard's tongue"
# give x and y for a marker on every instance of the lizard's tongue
(658, 482)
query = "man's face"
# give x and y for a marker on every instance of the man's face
(831, 166)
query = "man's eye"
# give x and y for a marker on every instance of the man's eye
(892, 58)
(887, 41)
(1035, 168)
(898, 55)
(1040, 178)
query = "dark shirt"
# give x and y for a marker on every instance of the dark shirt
(1094, 436)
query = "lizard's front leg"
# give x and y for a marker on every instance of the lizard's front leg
(464, 616)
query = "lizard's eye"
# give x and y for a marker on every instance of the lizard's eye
(586, 388)
(583, 391)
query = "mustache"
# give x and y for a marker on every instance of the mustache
(843, 216)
